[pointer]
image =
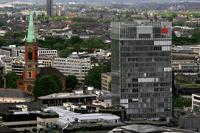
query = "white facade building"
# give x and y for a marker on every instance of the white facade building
(73, 66)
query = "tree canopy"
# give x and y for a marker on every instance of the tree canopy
(11, 80)
(47, 84)
(177, 102)
(1, 81)
(94, 75)
(2, 23)
(71, 81)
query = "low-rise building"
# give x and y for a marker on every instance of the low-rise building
(47, 117)
(14, 96)
(45, 61)
(58, 99)
(20, 116)
(67, 117)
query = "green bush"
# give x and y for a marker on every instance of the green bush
(175, 124)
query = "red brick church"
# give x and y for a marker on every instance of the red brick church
(31, 70)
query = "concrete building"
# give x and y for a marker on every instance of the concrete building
(49, 7)
(21, 115)
(45, 61)
(58, 99)
(105, 79)
(73, 66)
(45, 52)
(196, 100)
(141, 68)
(14, 96)
(13, 51)
(66, 117)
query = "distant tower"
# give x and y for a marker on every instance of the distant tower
(49, 4)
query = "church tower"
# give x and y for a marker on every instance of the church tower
(31, 55)
(31, 70)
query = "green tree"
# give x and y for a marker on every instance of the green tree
(34, 130)
(163, 15)
(47, 125)
(25, 131)
(8, 34)
(56, 78)
(197, 81)
(46, 85)
(94, 75)
(2, 42)
(58, 46)
(83, 129)
(41, 129)
(1, 81)
(2, 23)
(75, 40)
(24, 17)
(71, 81)
(64, 53)
(6, 15)
(170, 18)
(196, 37)
(146, 15)
(11, 80)
(178, 103)
(176, 124)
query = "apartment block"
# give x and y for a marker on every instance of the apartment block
(73, 66)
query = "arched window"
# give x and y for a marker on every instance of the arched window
(30, 56)
(29, 74)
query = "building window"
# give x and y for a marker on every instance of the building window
(29, 74)
(144, 36)
(30, 56)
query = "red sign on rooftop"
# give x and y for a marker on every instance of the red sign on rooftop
(164, 30)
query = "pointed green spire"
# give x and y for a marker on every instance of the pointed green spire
(31, 30)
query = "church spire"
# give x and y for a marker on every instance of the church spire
(31, 30)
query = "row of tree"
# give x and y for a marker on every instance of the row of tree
(186, 40)
(59, 44)
(178, 103)
(15, 35)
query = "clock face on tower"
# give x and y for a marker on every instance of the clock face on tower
(29, 50)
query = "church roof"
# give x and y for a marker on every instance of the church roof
(49, 70)
(14, 93)
(31, 30)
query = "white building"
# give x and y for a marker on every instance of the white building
(196, 101)
(73, 66)
(66, 117)
(47, 52)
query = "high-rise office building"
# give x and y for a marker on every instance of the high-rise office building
(49, 4)
(141, 68)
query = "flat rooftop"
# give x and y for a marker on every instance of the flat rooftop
(64, 95)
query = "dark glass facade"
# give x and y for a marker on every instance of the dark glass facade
(141, 69)
(49, 6)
